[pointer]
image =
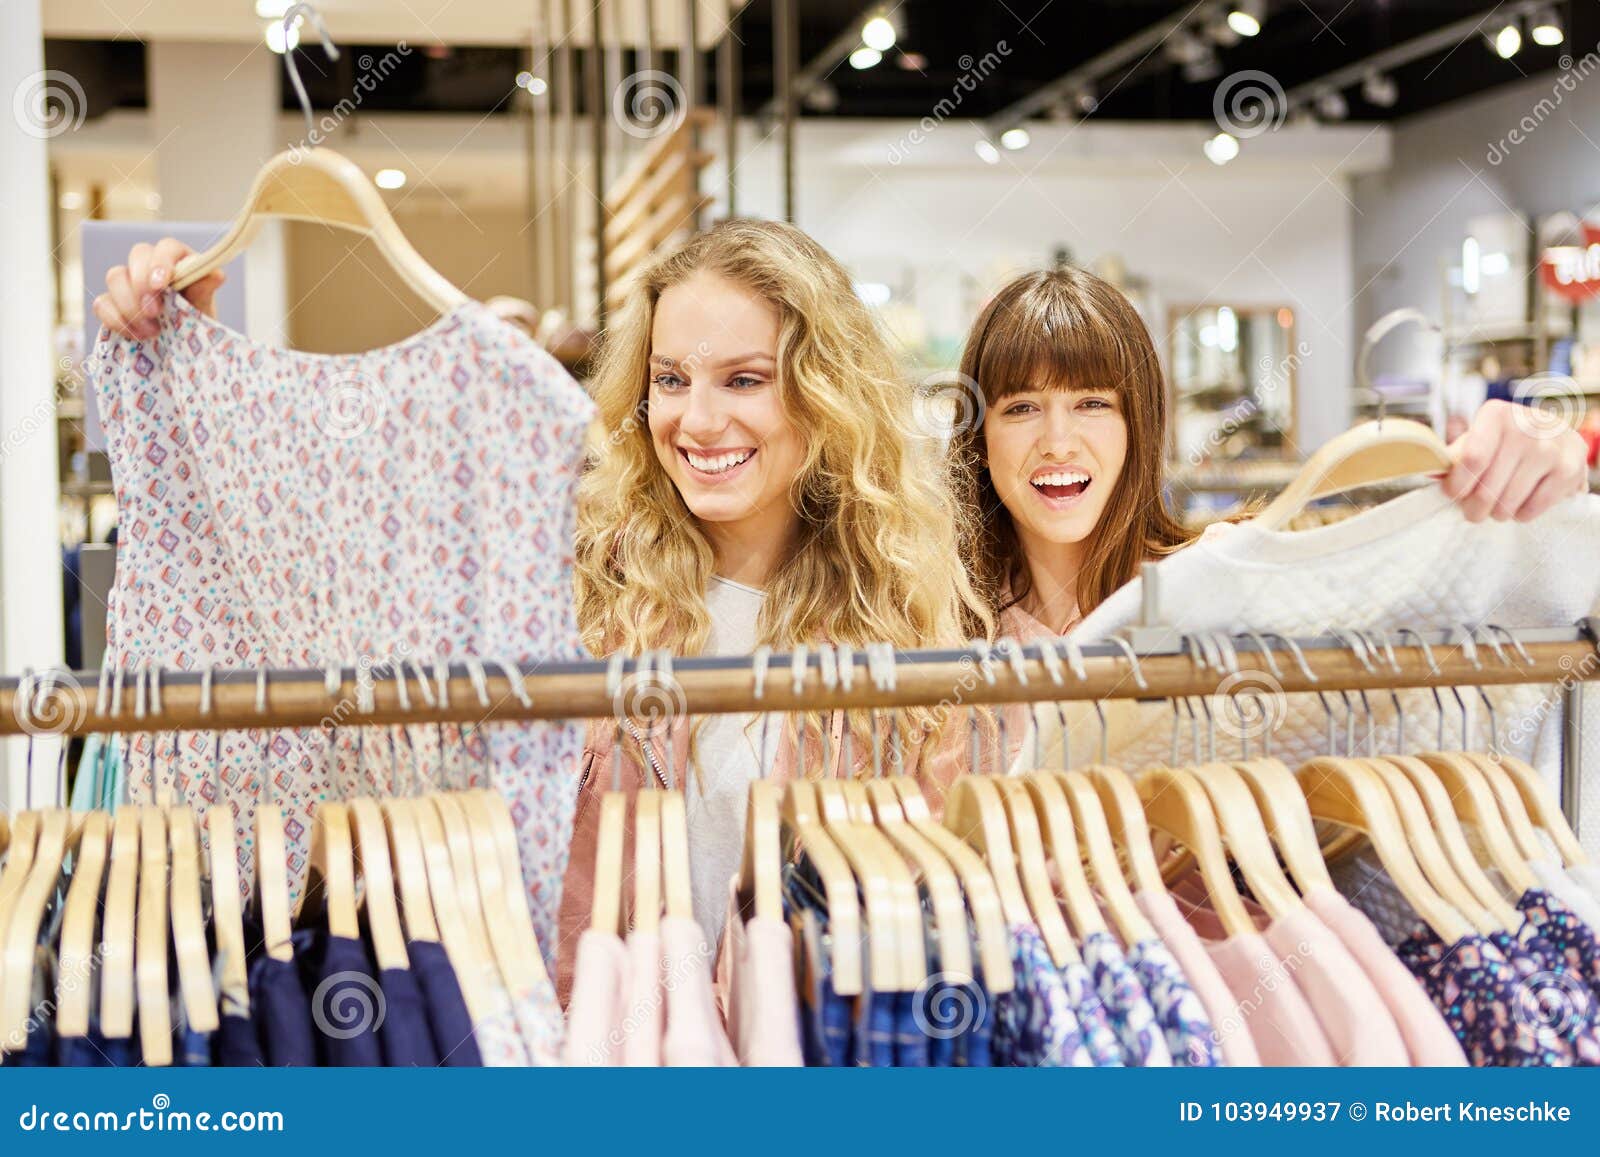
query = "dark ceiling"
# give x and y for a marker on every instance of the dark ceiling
(1300, 41)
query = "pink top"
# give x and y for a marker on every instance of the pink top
(759, 999)
(694, 1036)
(1281, 1020)
(1429, 1041)
(645, 1014)
(1355, 1023)
(598, 1009)
(1238, 1049)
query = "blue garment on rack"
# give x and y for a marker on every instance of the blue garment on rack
(278, 1003)
(448, 1019)
(346, 1003)
(403, 1033)
(236, 1045)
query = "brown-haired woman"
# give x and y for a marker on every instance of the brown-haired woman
(1065, 472)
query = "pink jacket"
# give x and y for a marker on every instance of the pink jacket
(934, 773)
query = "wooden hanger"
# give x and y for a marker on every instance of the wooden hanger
(499, 819)
(949, 911)
(78, 959)
(410, 870)
(974, 812)
(227, 914)
(872, 870)
(1505, 793)
(117, 926)
(516, 970)
(467, 956)
(150, 940)
(1130, 828)
(21, 927)
(1458, 849)
(1430, 831)
(1093, 830)
(1027, 841)
(1175, 802)
(331, 871)
(1343, 791)
(802, 820)
(977, 885)
(607, 911)
(1370, 453)
(761, 861)
(25, 840)
(1475, 804)
(191, 952)
(458, 842)
(324, 188)
(370, 839)
(1543, 809)
(910, 935)
(272, 880)
(1283, 808)
(1245, 837)
(679, 898)
(647, 861)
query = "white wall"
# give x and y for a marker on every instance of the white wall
(1273, 228)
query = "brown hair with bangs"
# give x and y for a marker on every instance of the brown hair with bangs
(1067, 330)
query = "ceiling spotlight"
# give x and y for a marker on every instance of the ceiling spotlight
(879, 33)
(1547, 30)
(1379, 90)
(1221, 149)
(389, 179)
(865, 57)
(71, 200)
(1332, 106)
(1207, 67)
(987, 152)
(1245, 17)
(281, 42)
(1508, 41)
(272, 9)
(1015, 139)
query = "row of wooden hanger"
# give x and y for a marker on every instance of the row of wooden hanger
(439, 866)
(1064, 849)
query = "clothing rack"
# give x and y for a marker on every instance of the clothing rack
(407, 691)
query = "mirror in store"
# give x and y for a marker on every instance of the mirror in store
(1232, 383)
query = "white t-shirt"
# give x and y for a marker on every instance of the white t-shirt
(725, 752)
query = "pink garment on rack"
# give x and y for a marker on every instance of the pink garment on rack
(646, 1011)
(1429, 1041)
(1267, 998)
(597, 1015)
(755, 988)
(694, 1035)
(413, 504)
(1238, 1048)
(1356, 1025)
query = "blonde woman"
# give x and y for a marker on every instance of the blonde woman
(759, 481)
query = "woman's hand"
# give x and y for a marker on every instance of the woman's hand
(1515, 462)
(131, 304)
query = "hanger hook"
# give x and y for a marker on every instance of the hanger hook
(264, 792)
(1133, 660)
(1516, 643)
(294, 12)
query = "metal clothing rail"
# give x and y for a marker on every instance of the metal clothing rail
(408, 691)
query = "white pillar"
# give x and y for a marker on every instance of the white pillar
(214, 112)
(30, 541)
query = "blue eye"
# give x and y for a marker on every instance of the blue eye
(744, 382)
(666, 381)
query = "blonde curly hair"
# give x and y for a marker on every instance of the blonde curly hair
(877, 556)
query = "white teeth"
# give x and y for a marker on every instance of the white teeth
(1061, 478)
(719, 464)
